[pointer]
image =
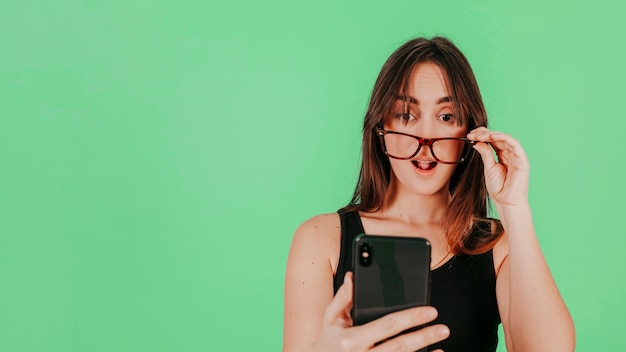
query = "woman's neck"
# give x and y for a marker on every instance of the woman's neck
(417, 209)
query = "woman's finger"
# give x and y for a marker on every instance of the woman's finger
(415, 340)
(486, 154)
(339, 307)
(394, 323)
(498, 140)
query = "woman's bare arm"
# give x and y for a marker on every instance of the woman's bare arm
(534, 315)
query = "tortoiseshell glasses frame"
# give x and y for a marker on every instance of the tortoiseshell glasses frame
(426, 142)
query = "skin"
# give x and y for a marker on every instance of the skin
(533, 313)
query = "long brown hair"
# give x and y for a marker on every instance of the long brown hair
(468, 229)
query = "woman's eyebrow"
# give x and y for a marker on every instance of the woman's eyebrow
(413, 100)
(444, 100)
(409, 98)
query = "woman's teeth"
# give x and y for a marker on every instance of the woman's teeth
(424, 165)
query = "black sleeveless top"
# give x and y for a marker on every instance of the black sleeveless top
(463, 290)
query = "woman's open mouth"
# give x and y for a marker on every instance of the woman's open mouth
(424, 165)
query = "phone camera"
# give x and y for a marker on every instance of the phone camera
(365, 254)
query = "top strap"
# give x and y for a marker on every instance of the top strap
(351, 226)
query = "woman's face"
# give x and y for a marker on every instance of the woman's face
(427, 112)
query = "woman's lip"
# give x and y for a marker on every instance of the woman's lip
(423, 170)
(425, 164)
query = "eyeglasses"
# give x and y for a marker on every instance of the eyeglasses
(404, 146)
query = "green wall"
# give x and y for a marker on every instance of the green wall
(156, 157)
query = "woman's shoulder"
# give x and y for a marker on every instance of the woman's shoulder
(319, 227)
(317, 240)
(327, 219)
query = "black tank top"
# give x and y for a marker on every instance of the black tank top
(463, 290)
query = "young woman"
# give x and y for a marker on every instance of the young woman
(428, 168)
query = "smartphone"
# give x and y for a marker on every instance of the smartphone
(390, 274)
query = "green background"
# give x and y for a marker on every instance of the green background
(157, 156)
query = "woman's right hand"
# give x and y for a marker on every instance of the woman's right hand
(338, 334)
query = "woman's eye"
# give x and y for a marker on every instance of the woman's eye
(405, 117)
(446, 117)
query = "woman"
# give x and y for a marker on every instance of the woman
(483, 271)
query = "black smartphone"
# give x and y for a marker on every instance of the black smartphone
(390, 274)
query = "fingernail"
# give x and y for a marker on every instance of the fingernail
(443, 331)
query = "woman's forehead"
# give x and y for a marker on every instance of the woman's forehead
(426, 83)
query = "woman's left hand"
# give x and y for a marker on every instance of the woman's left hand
(507, 176)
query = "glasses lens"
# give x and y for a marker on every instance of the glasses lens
(449, 150)
(445, 150)
(400, 146)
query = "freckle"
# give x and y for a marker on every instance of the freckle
(314, 227)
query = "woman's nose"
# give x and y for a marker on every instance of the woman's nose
(425, 152)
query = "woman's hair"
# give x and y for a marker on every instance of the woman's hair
(467, 228)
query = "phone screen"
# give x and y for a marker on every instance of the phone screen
(390, 274)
